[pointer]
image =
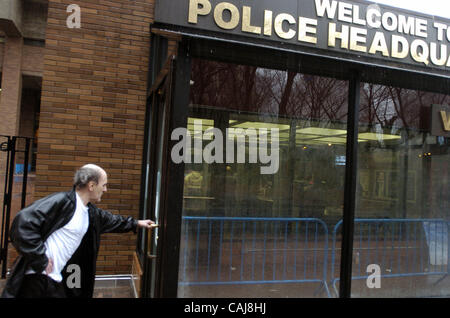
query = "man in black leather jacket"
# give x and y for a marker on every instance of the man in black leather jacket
(53, 223)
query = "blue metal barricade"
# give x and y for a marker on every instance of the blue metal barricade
(235, 250)
(400, 247)
(238, 250)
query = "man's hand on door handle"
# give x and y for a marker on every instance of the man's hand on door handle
(148, 224)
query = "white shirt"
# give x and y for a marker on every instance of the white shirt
(62, 243)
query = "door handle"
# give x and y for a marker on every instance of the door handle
(149, 241)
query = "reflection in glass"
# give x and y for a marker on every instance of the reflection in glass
(402, 196)
(250, 232)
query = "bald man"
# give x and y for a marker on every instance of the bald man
(62, 230)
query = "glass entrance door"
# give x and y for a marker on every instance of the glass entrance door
(264, 164)
(246, 176)
(159, 105)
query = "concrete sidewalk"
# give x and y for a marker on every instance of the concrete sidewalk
(107, 287)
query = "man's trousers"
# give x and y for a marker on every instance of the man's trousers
(40, 286)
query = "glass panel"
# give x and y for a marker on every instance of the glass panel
(264, 155)
(159, 149)
(402, 197)
(147, 173)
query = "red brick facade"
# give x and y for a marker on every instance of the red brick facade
(11, 86)
(93, 108)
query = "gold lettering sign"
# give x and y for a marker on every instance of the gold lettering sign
(246, 17)
(353, 27)
(445, 120)
(218, 15)
(279, 19)
(440, 120)
(196, 7)
(334, 34)
(268, 22)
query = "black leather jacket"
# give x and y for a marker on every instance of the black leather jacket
(35, 223)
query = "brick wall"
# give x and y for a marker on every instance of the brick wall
(33, 60)
(11, 86)
(93, 108)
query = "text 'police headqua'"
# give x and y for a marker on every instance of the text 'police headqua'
(354, 28)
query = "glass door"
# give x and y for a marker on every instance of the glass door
(153, 205)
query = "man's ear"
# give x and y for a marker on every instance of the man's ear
(91, 185)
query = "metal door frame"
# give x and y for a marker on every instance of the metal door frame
(169, 79)
(11, 146)
(158, 104)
